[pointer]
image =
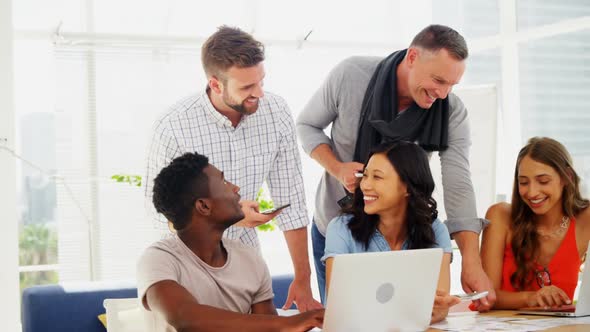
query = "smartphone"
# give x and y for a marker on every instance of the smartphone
(269, 211)
(345, 201)
(473, 296)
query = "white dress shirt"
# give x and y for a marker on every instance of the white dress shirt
(262, 147)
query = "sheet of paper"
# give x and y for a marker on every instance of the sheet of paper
(477, 323)
(472, 321)
(547, 323)
(288, 312)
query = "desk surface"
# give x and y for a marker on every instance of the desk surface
(583, 327)
(507, 313)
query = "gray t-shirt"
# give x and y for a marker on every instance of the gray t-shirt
(338, 102)
(243, 281)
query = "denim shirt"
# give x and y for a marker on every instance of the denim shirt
(339, 239)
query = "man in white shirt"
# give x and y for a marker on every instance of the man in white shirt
(248, 133)
(197, 281)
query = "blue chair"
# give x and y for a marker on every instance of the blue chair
(280, 286)
(54, 308)
(57, 308)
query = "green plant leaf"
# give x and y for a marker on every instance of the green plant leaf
(131, 179)
(264, 204)
(268, 227)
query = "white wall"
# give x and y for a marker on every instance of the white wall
(9, 286)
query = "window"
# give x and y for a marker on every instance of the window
(36, 142)
(554, 80)
(85, 105)
(536, 13)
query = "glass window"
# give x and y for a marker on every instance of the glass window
(534, 13)
(47, 15)
(483, 68)
(37, 191)
(554, 83)
(472, 18)
(28, 279)
(373, 21)
(159, 17)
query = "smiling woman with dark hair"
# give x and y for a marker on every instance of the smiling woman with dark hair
(393, 209)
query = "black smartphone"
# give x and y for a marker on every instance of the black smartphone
(345, 201)
(275, 209)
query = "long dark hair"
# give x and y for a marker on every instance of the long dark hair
(411, 164)
(525, 241)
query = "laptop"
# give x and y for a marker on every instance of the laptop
(582, 307)
(382, 291)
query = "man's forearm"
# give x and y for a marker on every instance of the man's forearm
(202, 318)
(297, 244)
(181, 310)
(324, 155)
(468, 243)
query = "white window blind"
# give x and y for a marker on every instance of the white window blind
(555, 79)
(115, 95)
(536, 13)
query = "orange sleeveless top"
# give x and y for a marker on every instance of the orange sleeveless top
(563, 268)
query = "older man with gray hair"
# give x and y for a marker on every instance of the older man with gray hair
(405, 96)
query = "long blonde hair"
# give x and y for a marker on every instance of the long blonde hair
(525, 241)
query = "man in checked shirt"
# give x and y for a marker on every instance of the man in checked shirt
(250, 134)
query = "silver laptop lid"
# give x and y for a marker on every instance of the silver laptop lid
(383, 291)
(583, 304)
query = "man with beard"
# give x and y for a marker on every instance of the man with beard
(404, 96)
(196, 280)
(248, 133)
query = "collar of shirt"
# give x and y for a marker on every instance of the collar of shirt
(218, 118)
(382, 243)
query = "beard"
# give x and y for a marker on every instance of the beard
(237, 106)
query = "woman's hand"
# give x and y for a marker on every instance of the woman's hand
(442, 302)
(548, 296)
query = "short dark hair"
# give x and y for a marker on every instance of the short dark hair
(436, 37)
(411, 164)
(178, 186)
(230, 47)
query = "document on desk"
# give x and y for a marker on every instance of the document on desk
(547, 323)
(460, 322)
(473, 322)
